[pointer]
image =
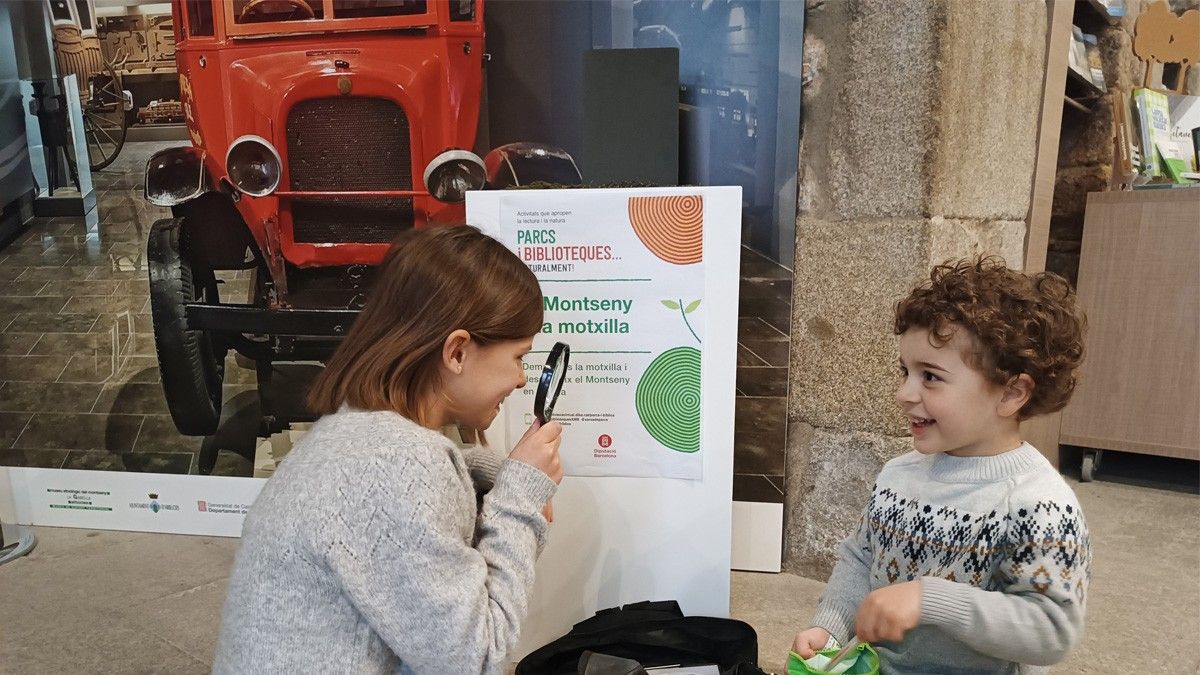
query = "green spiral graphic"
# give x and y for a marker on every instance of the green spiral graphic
(668, 399)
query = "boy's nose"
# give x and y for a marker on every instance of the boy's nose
(906, 392)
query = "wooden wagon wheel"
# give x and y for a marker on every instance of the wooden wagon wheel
(104, 119)
(100, 93)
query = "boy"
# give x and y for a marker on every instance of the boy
(972, 555)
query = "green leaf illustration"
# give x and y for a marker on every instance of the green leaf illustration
(692, 307)
(671, 304)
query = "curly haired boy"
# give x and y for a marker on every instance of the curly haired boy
(972, 554)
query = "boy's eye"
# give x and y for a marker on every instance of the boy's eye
(930, 377)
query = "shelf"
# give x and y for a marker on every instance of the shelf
(1076, 105)
(1083, 83)
(1099, 9)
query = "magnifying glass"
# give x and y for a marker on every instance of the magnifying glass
(551, 382)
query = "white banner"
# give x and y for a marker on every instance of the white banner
(622, 275)
(618, 539)
(144, 502)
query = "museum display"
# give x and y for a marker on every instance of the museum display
(319, 129)
(105, 102)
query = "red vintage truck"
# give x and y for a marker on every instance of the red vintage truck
(320, 129)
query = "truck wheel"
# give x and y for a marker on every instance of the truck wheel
(192, 369)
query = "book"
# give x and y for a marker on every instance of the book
(1113, 8)
(1095, 67)
(1077, 57)
(1184, 112)
(1175, 158)
(1154, 124)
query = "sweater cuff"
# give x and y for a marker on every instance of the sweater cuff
(525, 484)
(944, 603)
(838, 620)
(484, 464)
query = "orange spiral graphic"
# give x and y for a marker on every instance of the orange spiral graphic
(671, 227)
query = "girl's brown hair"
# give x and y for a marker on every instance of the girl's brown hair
(1022, 323)
(433, 281)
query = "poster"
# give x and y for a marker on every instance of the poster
(622, 277)
(651, 522)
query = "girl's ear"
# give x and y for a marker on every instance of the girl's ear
(1017, 393)
(454, 351)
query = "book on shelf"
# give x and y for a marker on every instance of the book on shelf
(1184, 111)
(1175, 159)
(1153, 122)
(1095, 67)
(1112, 8)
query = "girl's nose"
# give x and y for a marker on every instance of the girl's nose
(906, 391)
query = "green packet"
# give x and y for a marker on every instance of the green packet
(862, 661)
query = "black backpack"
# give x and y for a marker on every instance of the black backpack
(648, 634)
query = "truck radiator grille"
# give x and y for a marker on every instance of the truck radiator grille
(350, 144)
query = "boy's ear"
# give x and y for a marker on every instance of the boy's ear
(1017, 393)
(454, 350)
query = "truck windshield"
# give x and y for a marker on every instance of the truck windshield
(258, 11)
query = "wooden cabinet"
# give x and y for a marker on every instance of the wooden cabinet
(1139, 282)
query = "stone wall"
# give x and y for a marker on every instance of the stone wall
(918, 145)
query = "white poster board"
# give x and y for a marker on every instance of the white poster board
(622, 277)
(617, 540)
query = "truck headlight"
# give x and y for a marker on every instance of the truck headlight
(253, 166)
(452, 173)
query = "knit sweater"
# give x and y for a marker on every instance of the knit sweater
(1000, 548)
(367, 552)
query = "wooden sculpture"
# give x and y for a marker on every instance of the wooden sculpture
(1160, 36)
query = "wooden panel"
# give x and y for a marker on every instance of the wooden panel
(1058, 42)
(79, 55)
(1042, 432)
(1139, 282)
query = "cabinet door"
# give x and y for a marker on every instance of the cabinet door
(1139, 282)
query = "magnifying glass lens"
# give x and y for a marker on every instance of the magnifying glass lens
(555, 386)
(550, 384)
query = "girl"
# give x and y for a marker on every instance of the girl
(367, 552)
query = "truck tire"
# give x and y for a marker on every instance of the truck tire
(192, 368)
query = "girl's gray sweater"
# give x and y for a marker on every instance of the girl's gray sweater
(367, 552)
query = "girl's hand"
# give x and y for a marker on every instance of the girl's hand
(809, 642)
(548, 512)
(889, 612)
(539, 449)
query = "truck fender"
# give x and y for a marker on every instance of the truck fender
(175, 176)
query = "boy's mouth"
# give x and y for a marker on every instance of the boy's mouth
(921, 422)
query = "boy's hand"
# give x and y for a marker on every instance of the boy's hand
(809, 642)
(889, 612)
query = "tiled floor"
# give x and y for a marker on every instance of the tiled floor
(158, 607)
(79, 383)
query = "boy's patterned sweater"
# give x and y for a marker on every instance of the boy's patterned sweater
(1001, 550)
